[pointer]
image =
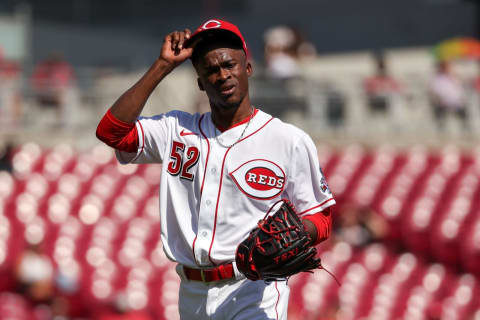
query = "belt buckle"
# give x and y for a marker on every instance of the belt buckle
(202, 275)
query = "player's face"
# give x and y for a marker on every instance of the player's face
(223, 74)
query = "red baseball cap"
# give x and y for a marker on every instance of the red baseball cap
(216, 24)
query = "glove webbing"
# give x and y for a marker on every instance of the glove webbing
(274, 233)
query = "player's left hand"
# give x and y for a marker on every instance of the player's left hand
(277, 248)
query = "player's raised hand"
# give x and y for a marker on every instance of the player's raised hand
(173, 50)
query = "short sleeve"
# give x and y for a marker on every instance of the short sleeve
(152, 139)
(307, 187)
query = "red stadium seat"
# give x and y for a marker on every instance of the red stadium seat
(462, 300)
(368, 186)
(396, 197)
(445, 235)
(349, 165)
(470, 248)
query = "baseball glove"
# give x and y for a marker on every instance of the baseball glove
(277, 248)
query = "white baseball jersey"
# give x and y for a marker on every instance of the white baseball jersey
(212, 196)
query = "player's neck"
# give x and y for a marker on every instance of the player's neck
(225, 118)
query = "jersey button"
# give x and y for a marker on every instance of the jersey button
(208, 202)
(204, 234)
(213, 170)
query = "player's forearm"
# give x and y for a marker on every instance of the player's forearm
(130, 104)
(319, 225)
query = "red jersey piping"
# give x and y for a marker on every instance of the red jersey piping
(220, 188)
(221, 129)
(203, 180)
(278, 299)
(143, 142)
(208, 152)
(321, 204)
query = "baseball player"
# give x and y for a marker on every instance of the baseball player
(221, 172)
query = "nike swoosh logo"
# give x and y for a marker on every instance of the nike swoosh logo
(186, 133)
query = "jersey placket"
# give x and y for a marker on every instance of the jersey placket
(209, 196)
(208, 204)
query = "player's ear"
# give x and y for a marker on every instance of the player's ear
(249, 68)
(200, 85)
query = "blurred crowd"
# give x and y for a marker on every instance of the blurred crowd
(448, 94)
(45, 292)
(37, 289)
(50, 85)
(10, 91)
(279, 86)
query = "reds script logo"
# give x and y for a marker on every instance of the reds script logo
(259, 179)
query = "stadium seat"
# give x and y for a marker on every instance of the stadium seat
(470, 248)
(445, 234)
(368, 186)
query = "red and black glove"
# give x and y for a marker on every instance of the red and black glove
(277, 248)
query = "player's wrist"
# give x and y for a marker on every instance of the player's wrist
(311, 229)
(163, 66)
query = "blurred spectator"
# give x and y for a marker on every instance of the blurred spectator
(68, 296)
(120, 310)
(447, 95)
(34, 274)
(67, 279)
(280, 53)
(305, 49)
(359, 226)
(52, 82)
(59, 308)
(380, 87)
(280, 90)
(6, 155)
(10, 97)
(476, 81)
(476, 85)
(284, 46)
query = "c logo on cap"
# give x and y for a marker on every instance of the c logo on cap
(211, 24)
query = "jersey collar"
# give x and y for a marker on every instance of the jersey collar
(243, 121)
